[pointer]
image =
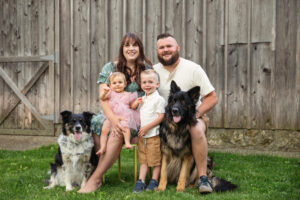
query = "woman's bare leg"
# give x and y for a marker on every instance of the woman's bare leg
(105, 162)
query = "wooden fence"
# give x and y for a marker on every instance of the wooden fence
(51, 51)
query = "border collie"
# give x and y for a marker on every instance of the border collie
(76, 158)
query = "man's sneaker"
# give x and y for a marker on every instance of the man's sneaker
(152, 185)
(139, 186)
(204, 185)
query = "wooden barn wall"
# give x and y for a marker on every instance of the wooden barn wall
(26, 29)
(250, 50)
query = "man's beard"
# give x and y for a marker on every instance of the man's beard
(171, 61)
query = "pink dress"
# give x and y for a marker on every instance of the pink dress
(120, 105)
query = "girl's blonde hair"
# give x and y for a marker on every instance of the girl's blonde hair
(114, 75)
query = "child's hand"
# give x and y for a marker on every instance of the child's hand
(106, 89)
(143, 131)
(139, 100)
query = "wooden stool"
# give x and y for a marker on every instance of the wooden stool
(119, 165)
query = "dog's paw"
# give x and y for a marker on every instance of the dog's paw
(160, 188)
(179, 189)
(69, 189)
(48, 187)
(180, 186)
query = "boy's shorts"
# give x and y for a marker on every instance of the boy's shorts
(149, 151)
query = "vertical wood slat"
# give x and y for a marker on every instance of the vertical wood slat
(57, 65)
(226, 61)
(297, 117)
(248, 62)
(285, 71)
(72, 53)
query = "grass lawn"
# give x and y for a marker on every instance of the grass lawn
(258, 177)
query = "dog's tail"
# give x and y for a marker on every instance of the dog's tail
(221, 185)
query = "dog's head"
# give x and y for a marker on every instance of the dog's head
(182, 104)
(76, 123)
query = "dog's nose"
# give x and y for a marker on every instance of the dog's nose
(77, 128)
(175, 110)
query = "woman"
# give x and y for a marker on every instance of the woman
(130, 61)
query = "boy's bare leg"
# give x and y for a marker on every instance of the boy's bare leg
(156, 172)
(126, 134)
(143, 172)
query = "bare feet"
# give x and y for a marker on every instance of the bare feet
(128, 146)
(89, 187)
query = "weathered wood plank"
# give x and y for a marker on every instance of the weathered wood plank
(262, 62)
(215, 58)
(237, 25)
(263, 23)
(153, 28)
(25, 132)
(98, 51)
(298, 70)
(81, 82)
(285, 70)
(236, 116)
(115, 27)
(66, 49)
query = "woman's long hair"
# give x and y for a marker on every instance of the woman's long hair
(139, 63)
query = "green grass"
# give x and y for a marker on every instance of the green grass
(258, 177)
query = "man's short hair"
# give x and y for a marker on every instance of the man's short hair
(164, 35)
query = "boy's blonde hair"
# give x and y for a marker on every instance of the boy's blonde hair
(114, 75)
(150, 71)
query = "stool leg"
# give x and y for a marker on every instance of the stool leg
(135, 163)
(119, 168)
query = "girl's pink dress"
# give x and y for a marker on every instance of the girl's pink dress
(120, 105)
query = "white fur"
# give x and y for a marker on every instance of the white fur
(76, 168)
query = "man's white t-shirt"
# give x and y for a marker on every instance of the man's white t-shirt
(187, 75)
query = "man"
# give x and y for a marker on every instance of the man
(187, 74)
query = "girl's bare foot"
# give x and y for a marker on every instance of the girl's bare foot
(89, 187)
(128, 146)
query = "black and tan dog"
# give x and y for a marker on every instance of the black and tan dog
(75, 159)
(178, 165)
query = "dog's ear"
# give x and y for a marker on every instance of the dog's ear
(194, 93)
(65, 115)
(174, 87)
(88, 116)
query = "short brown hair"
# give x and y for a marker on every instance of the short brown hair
(164, 35)
(150, 71)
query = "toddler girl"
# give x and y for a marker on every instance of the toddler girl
(122, 104)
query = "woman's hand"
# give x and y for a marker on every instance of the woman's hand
(116, 127)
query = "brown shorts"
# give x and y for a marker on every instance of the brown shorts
(149, 151)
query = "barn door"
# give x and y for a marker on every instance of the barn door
(28, 62)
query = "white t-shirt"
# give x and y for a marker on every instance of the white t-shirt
(187, 75)
(151, 106)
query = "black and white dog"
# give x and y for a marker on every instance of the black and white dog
(76, 158)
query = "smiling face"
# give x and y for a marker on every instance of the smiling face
(167, 51)
(149, 83)
(131, 50)
(117, 83)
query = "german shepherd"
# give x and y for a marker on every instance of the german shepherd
(178, 164)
